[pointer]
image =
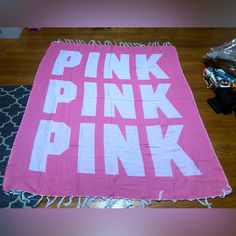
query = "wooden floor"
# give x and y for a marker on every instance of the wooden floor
(19, 60)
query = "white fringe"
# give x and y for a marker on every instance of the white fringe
(69, 202)
(85, 202)
(127, 203)
(109, 202)
(145, 203)
(110, 43)
(205, 203)
(50, 201)
(160, 195)
(226, 192)
(79, 202)
(88, 201)
(60, 202)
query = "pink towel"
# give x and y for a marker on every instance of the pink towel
(113, 121)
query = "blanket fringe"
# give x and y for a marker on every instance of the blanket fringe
(226, 192)
(88, 201)
(145, 203)
(113, 43)
(111, 202)
(50, 201)
(160, 195)
(205, 203)
(107, 202)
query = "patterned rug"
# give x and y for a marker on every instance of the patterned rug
(13, 100)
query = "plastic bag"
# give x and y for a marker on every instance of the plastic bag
(222, 57)
(227, 51)
(220, 75)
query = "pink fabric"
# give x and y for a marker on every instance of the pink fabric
(61, 177)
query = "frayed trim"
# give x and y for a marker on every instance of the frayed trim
(65, 203)
(205, 203)
(50, 202)
(109, 202)
(160, 195)
(127, 203)
(226, 192)
(113, 43)
(88, 201)
(145, 203)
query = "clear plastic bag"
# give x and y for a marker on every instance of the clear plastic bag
(222, 57)
(226, 51)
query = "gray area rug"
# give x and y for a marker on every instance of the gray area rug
(13, 100)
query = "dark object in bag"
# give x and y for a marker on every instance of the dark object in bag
(224, 101)
(222, 64)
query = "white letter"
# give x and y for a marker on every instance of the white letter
(120, 68)
(153, 100)
(66, 59)
(127, 150)
(59, 91)
(123, 102)
(86, 161)
(92, 65)
(90, 99)
(166, 149)
(144, 67)
(44, 146)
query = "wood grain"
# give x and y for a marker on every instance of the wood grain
(20, 58)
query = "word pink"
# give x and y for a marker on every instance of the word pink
(64, 92)
(120, 66)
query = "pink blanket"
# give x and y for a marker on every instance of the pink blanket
(113, 121)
